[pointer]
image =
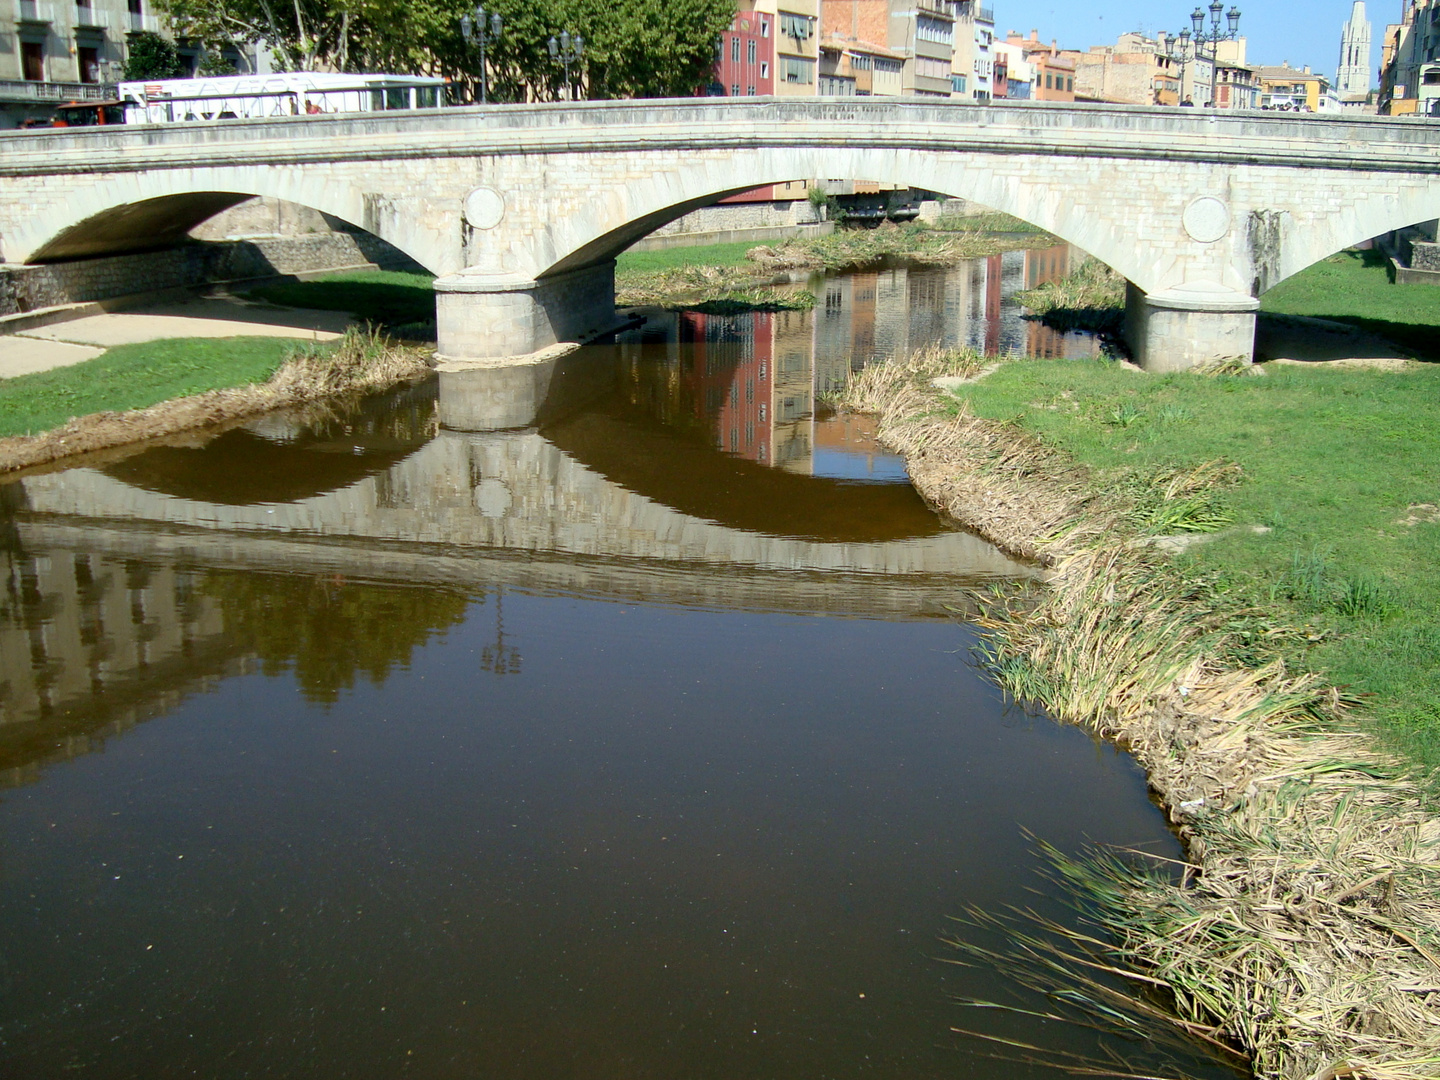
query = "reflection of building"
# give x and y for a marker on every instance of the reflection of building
(749, 383)
(91, 639)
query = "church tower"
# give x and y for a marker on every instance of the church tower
(1352, 77)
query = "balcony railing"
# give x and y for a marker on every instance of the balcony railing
(33, 11)
(23, 90)
(986, 15)
(87, 18)
(137, 23)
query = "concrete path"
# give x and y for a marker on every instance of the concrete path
(66, 343)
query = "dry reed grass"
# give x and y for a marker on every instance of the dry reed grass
(362, 361)
(1306, 928)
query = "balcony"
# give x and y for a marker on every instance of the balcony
(33, 13)
(87, 18)
(13, 90)
(136, 23)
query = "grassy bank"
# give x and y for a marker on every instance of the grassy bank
(136, 376)
(1353, 287)
(163, 388)
(1306, 930)
(1340, 467)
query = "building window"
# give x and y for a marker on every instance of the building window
(1069, 86)
(735, 49)
(735, 89)
(927, 29)
(796, 70)
(765, 28)
(957, 83)
(891, 66)
(89, 61)
(860, 63)
(1049, 81)
(749, 91)
(750, 51)
(32, 58)
(796, 26)
(764, 69)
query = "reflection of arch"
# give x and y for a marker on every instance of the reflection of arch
(616, 217)
(147, 210)
(243, 468)
(643, 456)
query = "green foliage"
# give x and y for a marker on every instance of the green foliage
(1340, 465)
(329, 630)
(634, 48)
(136, 376)
(152, 57)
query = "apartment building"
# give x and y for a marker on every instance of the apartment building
(1136, 70)
(1410, 61)
(1054, 68)
(860, 69)
(794, 26)
(746, 60)
(1291, 89)
(56, 51)
(921, 33)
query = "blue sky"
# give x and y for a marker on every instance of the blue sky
(1278, 30)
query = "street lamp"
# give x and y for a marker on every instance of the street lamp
(1192, 42)
(478, 31)
(567, 50)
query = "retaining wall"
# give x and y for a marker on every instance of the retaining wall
(32, 288)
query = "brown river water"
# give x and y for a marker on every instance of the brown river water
(639, 741)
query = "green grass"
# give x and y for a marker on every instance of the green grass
(1332, 462)
(1354, 287)
(649, 262)
(136, 376)
(388, 298)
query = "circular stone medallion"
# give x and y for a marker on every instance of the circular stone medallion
(484, 208)
(1207, 219)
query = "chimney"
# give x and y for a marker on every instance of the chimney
(1307, 69)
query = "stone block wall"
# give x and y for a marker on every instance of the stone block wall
(1425, 256)
(724, 217)
(32, 288)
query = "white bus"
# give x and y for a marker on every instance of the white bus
(294, 93)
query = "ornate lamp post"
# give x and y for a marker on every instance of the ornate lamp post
(567, 50)
(1190, 44)
(477, 31)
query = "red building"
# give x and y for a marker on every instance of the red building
(746, 66)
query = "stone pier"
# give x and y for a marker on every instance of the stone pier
(1192, 326)
(482, 316)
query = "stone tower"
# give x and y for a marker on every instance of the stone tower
(1352, 77)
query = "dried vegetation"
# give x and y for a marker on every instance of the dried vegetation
(362, 361)
(1305, 929)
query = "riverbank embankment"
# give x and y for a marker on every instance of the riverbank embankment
(1278, 691)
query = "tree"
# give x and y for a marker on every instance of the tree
(152, 57)
(634, 48)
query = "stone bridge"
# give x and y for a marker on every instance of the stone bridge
(521, 210)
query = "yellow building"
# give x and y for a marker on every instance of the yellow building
(797, 45)
(1289, 89)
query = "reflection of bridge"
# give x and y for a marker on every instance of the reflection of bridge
(522, 209)
(123, 595)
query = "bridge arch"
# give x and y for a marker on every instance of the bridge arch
(141, 211)
(615, 218)
(1353, 223)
